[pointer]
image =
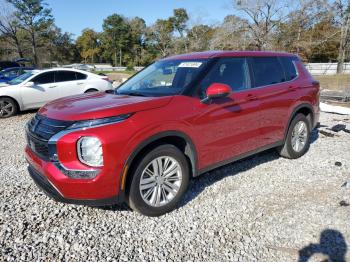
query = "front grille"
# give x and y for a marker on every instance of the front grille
(39, 130)
(45, 128)
(38, 146)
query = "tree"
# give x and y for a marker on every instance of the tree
(232, 34)
(61, 47)
(88, 45)
(342, 8)
(10, 29)
(179, 21)
(116, 37)
(138, 31)
(199, 37)
(308, 28)
(264, 16)
(160, 36)
(324, 44)
(35, 18)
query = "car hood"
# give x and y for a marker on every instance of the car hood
(99, 105)
(3, 84)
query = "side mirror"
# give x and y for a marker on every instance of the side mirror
(216, 90)
(29, 84)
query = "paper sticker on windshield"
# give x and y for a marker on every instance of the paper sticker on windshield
(191, 64)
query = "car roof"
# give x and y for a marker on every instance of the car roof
(66, 69)
(215, 54)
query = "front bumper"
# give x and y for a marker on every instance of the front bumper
(74, 191)
(48, 188)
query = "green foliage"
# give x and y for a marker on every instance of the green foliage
(35, 18)
(88, 45)
(116, 37)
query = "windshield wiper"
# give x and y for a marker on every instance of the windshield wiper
(131, 94)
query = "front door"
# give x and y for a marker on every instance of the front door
(43, 91)
(229, 126)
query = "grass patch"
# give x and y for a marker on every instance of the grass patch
(340, 82)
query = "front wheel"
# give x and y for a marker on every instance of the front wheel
(159, 181)
(298, 138)
(8, 107)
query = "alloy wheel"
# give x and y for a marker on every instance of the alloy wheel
(160, 181)
(299, 136)
(6, 108)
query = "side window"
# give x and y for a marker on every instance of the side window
(80, 76)
(229, 71)
(44, 78)
(289, 67)
(63, 76)
(267, 71)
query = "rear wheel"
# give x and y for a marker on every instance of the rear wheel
(8, 107)
(298, 138)
(159, 181)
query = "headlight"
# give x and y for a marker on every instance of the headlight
(90, 151)
(99, 121)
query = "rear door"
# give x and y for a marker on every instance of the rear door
(42, 92)
(67, 83)
(275, 86)
(229, 126)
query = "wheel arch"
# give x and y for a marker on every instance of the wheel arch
(91, 89)
(176, 138)
(305, 109)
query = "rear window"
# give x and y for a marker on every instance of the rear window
(80, 76)
(289, 67)
(63, 76)
(267, 71)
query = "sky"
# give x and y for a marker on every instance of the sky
(75, 15)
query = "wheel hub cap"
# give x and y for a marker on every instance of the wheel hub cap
(160, 181)
(299, 136)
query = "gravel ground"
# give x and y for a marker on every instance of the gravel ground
(263, 208)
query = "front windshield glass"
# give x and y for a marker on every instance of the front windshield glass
(163, 78)
(20, 79)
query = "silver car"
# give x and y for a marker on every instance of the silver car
(38, 87)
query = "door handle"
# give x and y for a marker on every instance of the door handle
(80, 83)
(52, 86)
(292, 88)
(252, 97)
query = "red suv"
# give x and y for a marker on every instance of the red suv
(176, 119)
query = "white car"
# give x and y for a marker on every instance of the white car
(38, 87)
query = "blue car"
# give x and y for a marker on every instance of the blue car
(10, 73)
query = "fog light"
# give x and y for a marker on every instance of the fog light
(90, 151)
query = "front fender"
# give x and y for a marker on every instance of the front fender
(13, 93)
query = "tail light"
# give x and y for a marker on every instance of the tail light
(106, 79)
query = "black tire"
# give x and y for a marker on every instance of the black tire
(8, 107)
(91, 90)
(287, 149)
(134, 198)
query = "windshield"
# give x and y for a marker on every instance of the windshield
(20, 79)
(163, 78)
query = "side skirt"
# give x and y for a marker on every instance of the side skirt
(239, 157)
